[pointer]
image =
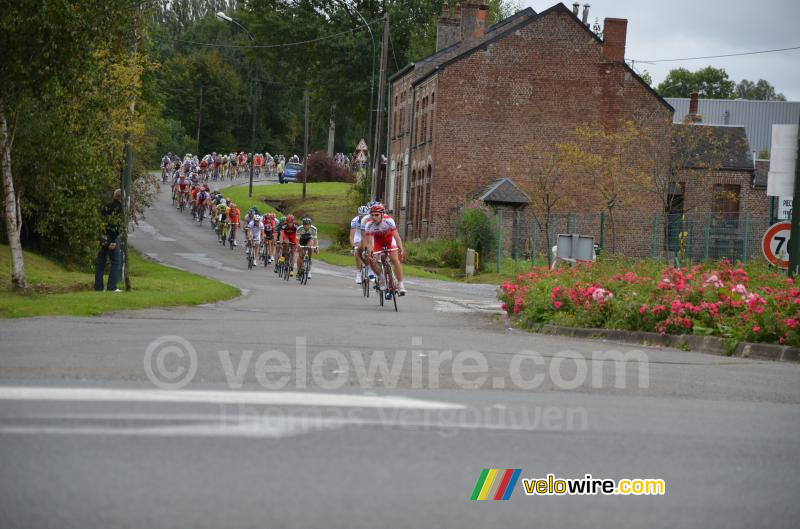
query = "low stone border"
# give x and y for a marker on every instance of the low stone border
(703, 344)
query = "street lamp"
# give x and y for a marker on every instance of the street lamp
(225, 18)
(222, 16)
(371, 89)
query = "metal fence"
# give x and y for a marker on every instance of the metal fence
(675, 238)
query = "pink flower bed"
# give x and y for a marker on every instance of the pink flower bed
(751, 303)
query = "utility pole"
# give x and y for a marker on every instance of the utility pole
(199, 116)
(794, 234)
(253, 128)
(305, 145)
(376, 145)
(332, 131)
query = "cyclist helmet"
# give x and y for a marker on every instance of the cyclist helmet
(363, 210)
(254, 209)
(377, 208)
(289, 218)
(282, 220)
(306, 220)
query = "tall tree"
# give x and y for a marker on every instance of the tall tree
(710, 82)
(46, 46)
(602, 159)
(761, 91)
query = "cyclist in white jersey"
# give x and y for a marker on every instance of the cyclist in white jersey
(356, 229)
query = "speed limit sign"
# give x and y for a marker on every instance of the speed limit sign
(775, 244)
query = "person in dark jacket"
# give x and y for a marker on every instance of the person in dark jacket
(109, 246)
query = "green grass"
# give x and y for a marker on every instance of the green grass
(329, 206)
(55, 291)
(326, 202)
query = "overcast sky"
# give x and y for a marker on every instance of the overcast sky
(693, 28)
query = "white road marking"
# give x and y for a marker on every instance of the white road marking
(150, 229)
(288, 398)
(447, 304)
(205, 260)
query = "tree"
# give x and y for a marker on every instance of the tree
(760, 91)
(542, 169)
(47, 48)
(709, 82)
(602, 160)
(696, 152)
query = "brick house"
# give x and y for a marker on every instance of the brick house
(721, 191)
(460, 117)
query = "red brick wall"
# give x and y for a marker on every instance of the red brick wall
(537, 84)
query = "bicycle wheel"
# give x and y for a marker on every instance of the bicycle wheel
(306, 268)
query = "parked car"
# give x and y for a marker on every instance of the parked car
(291, 172)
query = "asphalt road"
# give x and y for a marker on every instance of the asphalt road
(313, 407)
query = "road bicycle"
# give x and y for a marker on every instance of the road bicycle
(364, 271)
(250, 255)
(305, 266)
(222, 232)
(285, 262)
(390, 280)
(231, 233)
(263, 254)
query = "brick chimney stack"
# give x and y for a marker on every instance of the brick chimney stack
(448, 29)
(473, 20)
(585, 14)
(614, 35)
(575, 8)
(693, 116)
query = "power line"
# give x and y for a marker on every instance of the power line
(284, 45)
(718, 56)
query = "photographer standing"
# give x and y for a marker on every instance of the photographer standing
(109, 247)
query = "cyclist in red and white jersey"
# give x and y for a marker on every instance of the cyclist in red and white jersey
(381, 231)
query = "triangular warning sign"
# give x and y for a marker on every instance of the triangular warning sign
(361, 157)
(362, 145)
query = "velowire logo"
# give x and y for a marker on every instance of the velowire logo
(496, 484)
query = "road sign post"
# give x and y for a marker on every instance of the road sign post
(362, 158)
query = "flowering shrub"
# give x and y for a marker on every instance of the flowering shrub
(752, 303)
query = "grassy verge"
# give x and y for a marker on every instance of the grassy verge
(55, 291)
(326, 202)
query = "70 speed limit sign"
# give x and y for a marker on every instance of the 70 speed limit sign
(775, 244)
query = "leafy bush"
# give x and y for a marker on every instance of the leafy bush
(323, 168)
(437, 253)
(477, 229)
(743, 303)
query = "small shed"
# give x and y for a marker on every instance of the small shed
(503, 195)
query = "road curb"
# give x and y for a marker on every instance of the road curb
(701, 344)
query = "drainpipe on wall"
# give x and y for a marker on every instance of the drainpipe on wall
(407, 168)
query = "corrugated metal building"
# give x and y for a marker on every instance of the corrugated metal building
(757, 117)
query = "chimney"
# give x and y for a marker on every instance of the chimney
(693, 102)
(473, 20)
(575, 8)
(585, 14)
(693, 116)
(448, 29)
(614, 34)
